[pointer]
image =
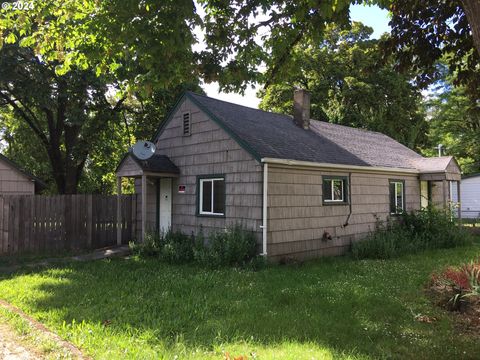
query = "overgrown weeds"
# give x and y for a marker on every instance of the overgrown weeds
(235, 246)
(411, 233)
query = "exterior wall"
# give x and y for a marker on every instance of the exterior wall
(470, 197)
(437, 193)
(209, 150)
(13, 182)
(297, 219)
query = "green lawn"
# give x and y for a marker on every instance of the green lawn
(330, 308)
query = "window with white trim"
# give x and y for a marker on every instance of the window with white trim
(186, 124)
(397, 197)
(335, 189)
(211, 200)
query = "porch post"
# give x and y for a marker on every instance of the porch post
(119, 210)
(444, 182)
(144, 206)
(459, 202)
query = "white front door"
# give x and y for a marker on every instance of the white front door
(165, 204)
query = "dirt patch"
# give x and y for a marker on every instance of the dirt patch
(11, 349)
(465, 311)
(68, 348)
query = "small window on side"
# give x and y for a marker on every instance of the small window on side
(186, 124)
(335, 190)
(397, 196)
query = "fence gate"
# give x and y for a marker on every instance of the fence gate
(47, 224)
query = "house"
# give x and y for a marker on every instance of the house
(15, 181)
(306, 188)
(470, 196)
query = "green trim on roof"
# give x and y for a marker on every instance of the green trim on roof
(215, 119)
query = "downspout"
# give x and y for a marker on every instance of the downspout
(349, 200)
(264, 210)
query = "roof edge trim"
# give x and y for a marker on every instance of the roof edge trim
(338, 166)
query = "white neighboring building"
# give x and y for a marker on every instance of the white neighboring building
(470, 196)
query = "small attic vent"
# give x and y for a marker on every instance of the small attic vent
(186, 124)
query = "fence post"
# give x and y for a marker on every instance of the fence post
(89, 220)
(119, 210)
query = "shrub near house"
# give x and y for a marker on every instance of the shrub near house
(233, 247)
(413, 232)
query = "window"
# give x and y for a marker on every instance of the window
(211, 199)
(335, 190)
(397, 196)
(186, 124)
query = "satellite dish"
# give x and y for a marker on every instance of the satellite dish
(143, 149)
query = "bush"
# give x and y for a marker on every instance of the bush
(177, 247)
(150, 247)
(233, 247)
(411, 233)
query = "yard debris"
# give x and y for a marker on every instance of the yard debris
(425, 318)
(241, 357)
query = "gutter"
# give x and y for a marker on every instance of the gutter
(337, 166)
(264, 210)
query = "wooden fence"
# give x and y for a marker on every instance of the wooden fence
(48, 224)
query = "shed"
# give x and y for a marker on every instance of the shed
(16, 181)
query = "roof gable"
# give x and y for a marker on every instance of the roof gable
(38, 183)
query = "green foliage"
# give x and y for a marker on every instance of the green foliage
(177, 248)
(454, 123)
(411, 233)
(425, 32)
(235, 246)
(350, 85)
(151, 245)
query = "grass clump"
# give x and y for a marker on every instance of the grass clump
(235, 246)
(411, 233)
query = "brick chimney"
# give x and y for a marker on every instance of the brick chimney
(301, 108)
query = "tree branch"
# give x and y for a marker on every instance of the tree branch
(27, 119)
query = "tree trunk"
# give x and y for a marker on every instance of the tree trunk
(472, 11)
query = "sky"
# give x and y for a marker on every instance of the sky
(372, 16)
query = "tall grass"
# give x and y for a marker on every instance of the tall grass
(411, 233)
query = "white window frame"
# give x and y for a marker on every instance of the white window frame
(200, 205)
(396, 183)
(342, 181)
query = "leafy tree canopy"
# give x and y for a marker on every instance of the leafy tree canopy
(351, 86)
(454, 122)
(425, 32)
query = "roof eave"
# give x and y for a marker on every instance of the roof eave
(300, 163)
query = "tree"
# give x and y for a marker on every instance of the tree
(241, 35)
(425, 32)
(455, 123)
(142, 44)
(70, 67)
(350, 86)
(68, 114)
